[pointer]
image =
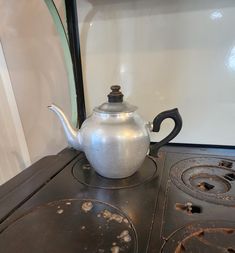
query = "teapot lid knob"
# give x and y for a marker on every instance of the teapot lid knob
(115, 96)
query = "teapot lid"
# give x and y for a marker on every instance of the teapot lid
(115, 104)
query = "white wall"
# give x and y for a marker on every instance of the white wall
(35, 62)
(14, 154)
(165, 54)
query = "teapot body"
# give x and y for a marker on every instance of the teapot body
(115, 139)
(115, 144)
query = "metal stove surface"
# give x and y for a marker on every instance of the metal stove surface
(71, 226)
(207, 178)
(86, 175)
(195, 211)
(182, 201)
(79, 211)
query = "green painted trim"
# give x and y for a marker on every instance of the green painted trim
(67, 56)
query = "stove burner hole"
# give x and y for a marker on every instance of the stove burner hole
(205, 186)
(196, 209)
(230, 176)
(231, 250)
(189, 208)
(226, 164)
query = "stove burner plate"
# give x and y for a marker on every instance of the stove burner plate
(209, 179)
(71, 226)
(203, 237)
(85, 174)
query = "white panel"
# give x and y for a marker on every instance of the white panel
(14, 113)
(165, 54)
(38, 74)
(14, 154)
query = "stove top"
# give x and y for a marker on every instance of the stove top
(195, 211)
(207, 178)
(59, 226)
(80, 211)
(203, 237)
(181, 201)
(86, 175)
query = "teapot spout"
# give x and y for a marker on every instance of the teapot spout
(72, 135)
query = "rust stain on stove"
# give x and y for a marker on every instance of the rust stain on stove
(228, 230)
(60, 211)
(200, 235)
(106, 214)
(115, 249)
(87, 206)
(124, 236)
(180, 248)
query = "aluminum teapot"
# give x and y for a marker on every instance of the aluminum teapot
(115, 139)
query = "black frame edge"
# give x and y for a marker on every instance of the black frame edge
(74, 44)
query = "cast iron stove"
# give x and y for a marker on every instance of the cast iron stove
(195, 210)
(181, 201)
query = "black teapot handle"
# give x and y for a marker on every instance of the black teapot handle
(172, 114)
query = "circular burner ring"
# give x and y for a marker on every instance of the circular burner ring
(72, 226)
(207, 178)
(203, 237)
(86, 175)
